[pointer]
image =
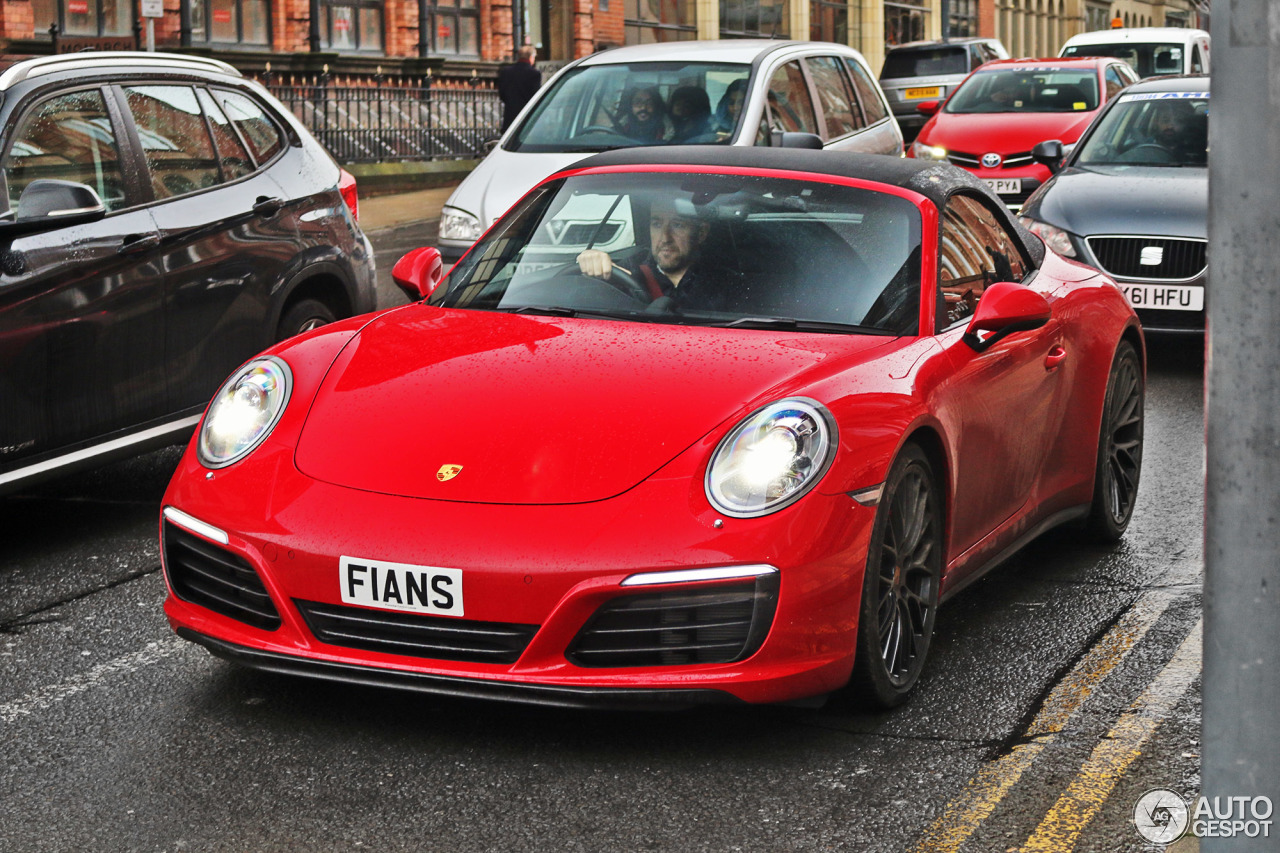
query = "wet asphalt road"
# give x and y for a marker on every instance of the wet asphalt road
(117, 736)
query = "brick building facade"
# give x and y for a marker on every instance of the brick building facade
(470, 38)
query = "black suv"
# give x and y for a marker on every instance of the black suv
(162, 219)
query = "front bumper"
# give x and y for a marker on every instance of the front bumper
(552, 569)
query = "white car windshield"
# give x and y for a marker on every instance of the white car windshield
(720, 250)
(1151, 129)
(1146, 59)
(602, 107)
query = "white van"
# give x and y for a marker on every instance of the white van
(1150, 50)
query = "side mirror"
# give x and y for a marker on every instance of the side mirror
(795, 139)
(47, 202)
(1005, 308)
(1049, 153)
(488, 145)
(419, 272)
(928, 108)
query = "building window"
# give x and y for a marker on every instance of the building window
(453, 28)
(964, 19)
(1096, 17)
(754, 18)
(650, 21)
(829, 21)
(230, 21)
(904, 23)
(351, 25)
(91, 17)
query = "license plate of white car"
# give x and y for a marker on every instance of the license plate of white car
(1005, 186)
(400, 586)
(1167, 297)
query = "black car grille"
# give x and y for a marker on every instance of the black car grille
(436, 637)
(1180, 259)
(974, 161)
(719, 624)
(218, 580)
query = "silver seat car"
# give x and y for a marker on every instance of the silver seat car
(728, 92)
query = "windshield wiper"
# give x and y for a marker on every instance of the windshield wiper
(544, 310)
(792, 324)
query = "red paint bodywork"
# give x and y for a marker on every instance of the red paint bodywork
(584, 445)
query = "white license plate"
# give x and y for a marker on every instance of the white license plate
(1005, 186)
(1166, 297)
(398, 586)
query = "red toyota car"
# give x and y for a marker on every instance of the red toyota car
(997, 115)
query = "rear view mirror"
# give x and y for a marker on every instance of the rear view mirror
(1005, 308)
(419, 272)
(47, 203)
(1049, 153)
(796, 139)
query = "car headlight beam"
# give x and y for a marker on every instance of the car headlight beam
(771, 458)
(921, 151)
(244, 411)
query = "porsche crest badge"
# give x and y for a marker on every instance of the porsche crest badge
(447, 472)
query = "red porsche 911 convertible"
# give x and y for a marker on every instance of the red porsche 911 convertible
(685, 426)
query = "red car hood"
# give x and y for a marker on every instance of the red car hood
(535, 410)
(1003, 133)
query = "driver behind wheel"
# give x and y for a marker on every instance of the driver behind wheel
(673, 269)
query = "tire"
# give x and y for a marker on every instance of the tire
(900, 586)
(303, 316)
(1119, 464)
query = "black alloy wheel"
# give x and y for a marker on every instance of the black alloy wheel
(303, 316)
(1115, 489)
(900, 585)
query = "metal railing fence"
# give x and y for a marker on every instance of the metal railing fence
(381, 123)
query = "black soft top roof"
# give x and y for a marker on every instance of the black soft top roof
(935, 181)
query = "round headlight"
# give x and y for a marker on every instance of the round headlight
(244, 411)
(772, 458)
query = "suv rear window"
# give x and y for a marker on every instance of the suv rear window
(925, 62)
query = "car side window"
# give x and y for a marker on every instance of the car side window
(68, 137)
(976, 251)
(259, 132)
(790, 108)
(868, 92)
(1197, 62)
(1114, 82)
(235, 159)
(839, 112)
(175, 139)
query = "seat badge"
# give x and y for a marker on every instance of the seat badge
(448, 472)
(1151, 256)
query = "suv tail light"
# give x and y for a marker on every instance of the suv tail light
(347, 188)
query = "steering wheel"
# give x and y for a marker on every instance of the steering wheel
(1146, 151)
(619, 279)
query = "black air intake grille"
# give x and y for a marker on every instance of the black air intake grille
(1166, 258)
(204, 574)
(436, 637)
(720, 624)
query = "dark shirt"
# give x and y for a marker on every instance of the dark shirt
(517, 83)
(703, 287)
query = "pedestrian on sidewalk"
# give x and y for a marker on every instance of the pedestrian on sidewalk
(517, 83)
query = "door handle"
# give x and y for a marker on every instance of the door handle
(265, 206)
(135, 243)
(1054, 359)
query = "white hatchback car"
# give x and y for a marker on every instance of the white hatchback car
(728, 92)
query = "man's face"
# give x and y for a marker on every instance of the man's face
(642, 106)
(1166, 128)
(674, 239)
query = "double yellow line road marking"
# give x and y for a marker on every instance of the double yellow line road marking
(1061, 827)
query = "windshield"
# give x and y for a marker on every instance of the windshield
(1146, 59)
(1153, 129)
(1028, 90)
(721, 250)
(925, 62)
(602, 107)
